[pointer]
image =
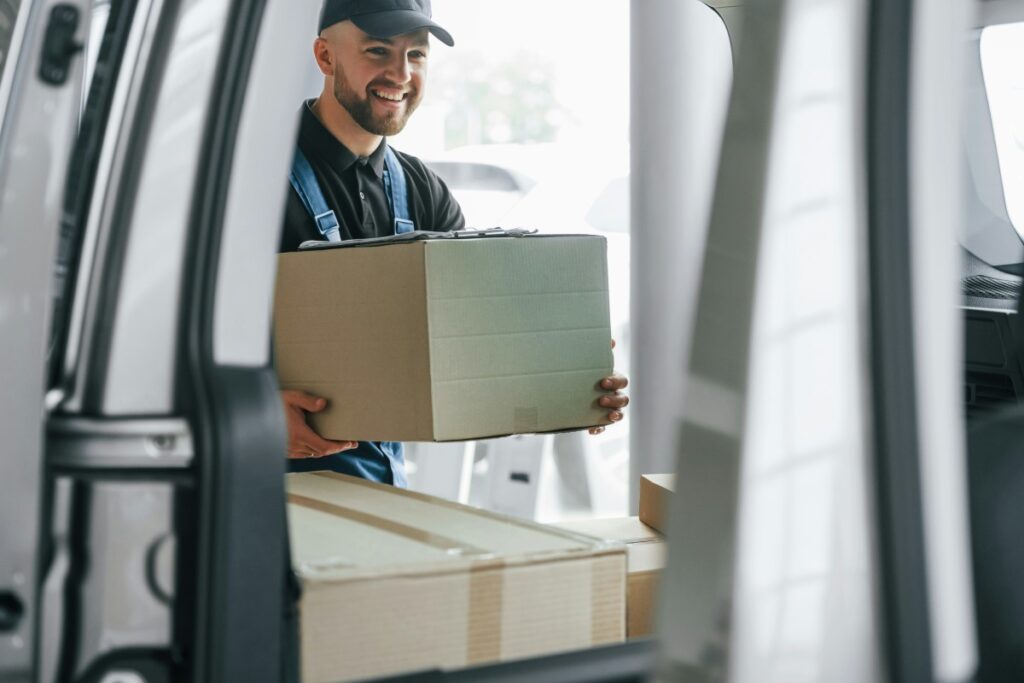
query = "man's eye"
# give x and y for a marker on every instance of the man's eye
(417, 55)
(379, 51)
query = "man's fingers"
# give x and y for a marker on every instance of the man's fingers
(323, 447)
(615, 382)
(307, 402)
(615, 416)
(596, 430)
(616, 400)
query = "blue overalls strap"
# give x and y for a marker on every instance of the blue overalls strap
(397, 192)
(307, 187)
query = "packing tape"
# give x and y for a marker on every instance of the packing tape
(487, 582)
(448, 545)
(607, 613)
(483, 627)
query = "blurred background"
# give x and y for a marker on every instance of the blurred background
(527, 121)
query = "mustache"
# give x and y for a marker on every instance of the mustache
(395, 86)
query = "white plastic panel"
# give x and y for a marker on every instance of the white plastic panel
(681, 72)
(993, 12)
(259, 182)
(140, 371)
(805, 606)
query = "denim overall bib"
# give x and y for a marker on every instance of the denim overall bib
(381, 461)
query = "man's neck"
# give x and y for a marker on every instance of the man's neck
(340, 123)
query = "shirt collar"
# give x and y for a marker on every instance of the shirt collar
(316, 141)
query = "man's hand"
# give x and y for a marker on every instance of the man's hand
(303, 442)
(615, 399)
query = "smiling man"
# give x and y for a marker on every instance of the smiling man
(348, 183)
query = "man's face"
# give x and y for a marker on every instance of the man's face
(379, 81)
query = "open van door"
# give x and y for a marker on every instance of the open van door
(40, 94)
(141, 479)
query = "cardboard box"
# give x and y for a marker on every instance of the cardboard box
(397, 581)
(646, 555)
(447, 339)
(655, 499)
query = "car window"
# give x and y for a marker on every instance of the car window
(1002, 53)
(462, 175)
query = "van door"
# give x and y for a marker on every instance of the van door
(40, 93)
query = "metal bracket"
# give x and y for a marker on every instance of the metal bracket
(99, 444)
(59, 45)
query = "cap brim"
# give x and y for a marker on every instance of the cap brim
(396, 22)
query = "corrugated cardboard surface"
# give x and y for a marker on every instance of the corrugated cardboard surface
(655, 497)
(524, 319)
(647, 555)
(351, 325)
(394, 581)
(446, 340)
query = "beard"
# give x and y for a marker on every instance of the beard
(360, 108)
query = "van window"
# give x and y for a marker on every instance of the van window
(8, 14)
(1002, 53)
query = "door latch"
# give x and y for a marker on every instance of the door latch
(59, 45)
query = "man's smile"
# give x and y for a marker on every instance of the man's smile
(390, 96)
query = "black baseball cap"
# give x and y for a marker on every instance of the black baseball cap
(384, 18)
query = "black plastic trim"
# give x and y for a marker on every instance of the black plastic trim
(78, 571)
(629, 662)
(230, 601)
(82, 172)
(904, 581)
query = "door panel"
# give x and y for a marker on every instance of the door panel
(35, 143)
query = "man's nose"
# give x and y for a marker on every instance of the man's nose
(400, 69)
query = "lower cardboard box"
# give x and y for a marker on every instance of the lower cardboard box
(656, 492)
(646, 557)
(398, 581)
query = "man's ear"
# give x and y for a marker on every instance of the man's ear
(323, 56)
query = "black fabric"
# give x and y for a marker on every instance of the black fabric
(354, 188)
(384, 18)
(996, 485)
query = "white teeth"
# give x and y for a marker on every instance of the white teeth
(386, 96)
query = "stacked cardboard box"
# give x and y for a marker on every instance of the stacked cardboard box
(655, 499)
(646, 557)
(397, 581)
(447, 339)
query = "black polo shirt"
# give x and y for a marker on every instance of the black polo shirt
(354, 189)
